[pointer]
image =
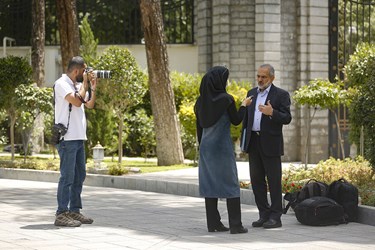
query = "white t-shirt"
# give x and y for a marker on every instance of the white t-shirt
(77, 123)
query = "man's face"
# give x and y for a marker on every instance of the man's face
(79, 77)
(264, 79)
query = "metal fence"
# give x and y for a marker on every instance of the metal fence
(112, 22)
(349, 24)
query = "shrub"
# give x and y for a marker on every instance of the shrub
(358, 172)
(141, 134)
(238, 90)
(117, 170)
(360, 71)
(356, 70)
(35, 164)
(188, 129)
(290, 185)
(186, 90)
(362, 113)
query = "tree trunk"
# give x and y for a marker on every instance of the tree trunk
(38, 40)
(168, 142)
(38, 57)
(341, 142)
(68, 29)
(12, 116)
(120, 133)
(308, 133)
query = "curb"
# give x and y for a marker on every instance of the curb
(366, 214)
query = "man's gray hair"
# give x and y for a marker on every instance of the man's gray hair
(271, 70)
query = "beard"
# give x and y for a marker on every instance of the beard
(79, 78)
(264, 86)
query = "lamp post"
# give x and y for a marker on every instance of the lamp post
(98, 155)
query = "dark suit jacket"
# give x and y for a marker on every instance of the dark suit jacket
(271, 135)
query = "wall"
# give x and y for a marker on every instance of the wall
(182, 58)
(291, 35)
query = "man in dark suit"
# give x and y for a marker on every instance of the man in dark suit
(262, 139)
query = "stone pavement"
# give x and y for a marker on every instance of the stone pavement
(132, 219)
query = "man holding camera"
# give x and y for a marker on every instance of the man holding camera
(71, 94)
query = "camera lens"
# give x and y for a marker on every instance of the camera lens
(103, 73)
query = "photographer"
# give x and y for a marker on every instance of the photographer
(71, 94)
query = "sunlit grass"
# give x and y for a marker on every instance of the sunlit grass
(44, 163)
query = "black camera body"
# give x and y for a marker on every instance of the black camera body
(58, 131)
(100, 73)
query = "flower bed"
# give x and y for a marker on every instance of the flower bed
(357, 171)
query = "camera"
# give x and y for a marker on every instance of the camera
(100, 73)
(58, 131)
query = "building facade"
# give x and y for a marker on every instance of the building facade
(291, 35)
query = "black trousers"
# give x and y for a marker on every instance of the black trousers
(262, 167)
(213, 215)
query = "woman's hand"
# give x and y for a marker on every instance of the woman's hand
(247, 101)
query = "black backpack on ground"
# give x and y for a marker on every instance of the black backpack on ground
(346, 195)
(312, 188)
(319, 211)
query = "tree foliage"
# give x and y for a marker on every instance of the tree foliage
(186, 89)
(360, 72)
(141, 133)
(357, 69)
(238, 90)
(323, 94)
(14, 71)
(31, 101)
(89, 44)
(114, 22)
(356, 25)
(124, 90)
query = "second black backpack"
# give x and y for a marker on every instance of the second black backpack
(346, 195)
(319, 211)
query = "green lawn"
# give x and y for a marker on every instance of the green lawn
(48, 163)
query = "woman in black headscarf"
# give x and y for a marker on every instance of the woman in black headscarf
(215, 110)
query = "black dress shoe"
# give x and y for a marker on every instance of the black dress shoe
(219, 228)
(271, 223)
(259, 223)
(238, 230)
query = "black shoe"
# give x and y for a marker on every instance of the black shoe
(259, 223)
(238, 230)
(220, 228)
(271, 223)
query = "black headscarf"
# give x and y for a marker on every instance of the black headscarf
(214, 99)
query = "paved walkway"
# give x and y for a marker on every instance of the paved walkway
(131, 219)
